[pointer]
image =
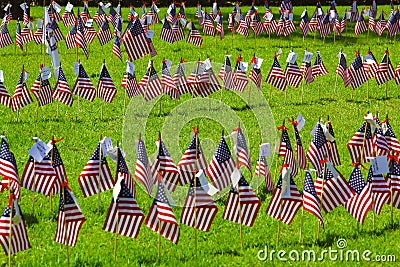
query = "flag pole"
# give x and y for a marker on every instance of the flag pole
(195, 191)
(34, 181)
(387, 72)
(391, 194)
(11, 223)
(117, 221)
(102, 102)
(321, 196)
(98, 180)
(65, 222)
(79, 88)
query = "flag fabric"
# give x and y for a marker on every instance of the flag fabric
(361, 202)
(90, 33)
(379, 143)
(70, 219)
(242, 205)
(53, 12)
(391, 139)
(310, 199)
(318, 150)
(38, 37)
(116, 50)
(386, 71)
(360, 26)
(276, 77)
(21, 97)
(301, 156)
(39, 177)
(256, 24)
(318, 69)
(7, 14)
(397, 75)
(361, 147)
(177, 29)
(286, 151)
(26, 34)
(96, 175)
(59, 168)
(220, 27)
(392, 24)
(123, 172)
(5, 98)
(106, 89)
(208, 27)
(394, 182)
(61, 91)
(199, 209)
(26, 13)
(58, 36)
(142, 170)
(18, 37)
(293, 74)
(180, 79)
(165, 167)
(70, 38)
(19, 235)
(242, 28)
(113, 16)
(332, 146)
(262, 168)
(284, 207)
(353, 11)
(371, 23)
(255, 72)
(130, 84)
(194, 36)
(85, 12)
(357, 73)
(193, 159)
(161, 218)
(343, 71)
(226, 73)
(8, 169)
(104, 33)
(150, 85)
(68, 18)
(380, 25)
(335, 190)
(371, 66)
(221, 166)
(280, 27)
(41, 89)
(167, 34)
(135, 41)
(172, 16)
(306, 71)
(99, 16)
(242, 152)
(83, 86)
(125, 212)
(324, 26)
(5, 37)
(270, 25)
(240, 80)
(380, 191)
(80, 38)
(304, 23)
(314, 22)
(169, 87)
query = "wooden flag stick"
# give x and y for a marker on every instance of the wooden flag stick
(195, 191)
(65, 222)
(279, 222)
(34, 181)
(117, 221)
(98, 179)
(79, 88)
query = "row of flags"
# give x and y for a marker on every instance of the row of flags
(137, 37)
(44, 173)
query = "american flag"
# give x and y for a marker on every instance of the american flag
(242, 205)
(83, 86)
(42, 91)
(293, 74)
(68, 18)
(161, 218)
(250, 13)
(18, 37)
(21, 97)
(113, 16)
(58, 36)
(59, 168)
(360, 26)
(354, 11)
(360, 147)
(126, 212)
(194, 36)
(306, 70)
(80, 38)
(226, 74)
(38, 36)
(357, 73)
(182, 13)
(90, 34)
(280, 27)
(392, 24)
(333, 150)
(263, 169)
(150, 85)
(361, 202)
(319, 69)
(276, 77)
(397, 75)
(167, 33)
(7, 14)
(106, 89)
(386, 71)
(172, 18)
(96, 173)
(343, 71)
(193, 159)
(301, 156)
(380, 25)
(318, 150)
(39, 177)
(5, 98)
(129, 82)
(180, 79)
(124, 173)
(394, 180)
(5, 38)
(153, 13)
(135, 41)
(178, 31)
(324, 26)
(208, 27)
(314, 21)
(169, 87)
(70, 38)
(380, 191)
(199, 14)
(19, 235)
(371, 23)
(270, 25)
(335, 190)
(8, 169)
(282, 207)
(104, 33)
(391, 139)
(242, 28)
(220, 27)
(53, 14)
(231, 23)
(379, 142)
(242, 152)
(289, 27)
(211, 82)
(310, 199)
(99, 16)
(26, 16)
(371, 66)
(286, 5)
(304, 23)
(221, 166)
(62, 92)
(116, 50)
(132, 13)
(256, 76)
(256, 24)
(142, 170)
(165, 167)
(199, 209)
(240, 80)
(342, 23)
(70, 219)
(286, 151)
(27, 35)
(85, 12)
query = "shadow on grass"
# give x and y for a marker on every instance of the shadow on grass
(30, 219)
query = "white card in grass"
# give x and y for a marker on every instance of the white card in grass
(384, 127)
(106, 144)
(270, 16)
(76, 68)
(117, 188)
(300, 121)
(130, 67)
(258, 63)
(183, 21)
(235, 177)
(307, 56)
(314, 129)
(207, 187)
(7, 7)
(69, 7)
(292, 57)
(332, 169)
(380, 165)
(291, 16)
(39, 150)
(244, 66)
(26, 75)
(30, 26)
(1, 77)
(207, 64)
(39, 24)
(285, 190)
(56, 6)
(89, 23)
(112, 153)
(45, 72)
(265, 150)
(149, 19)
(347, 15)
(150, 34)
(23, 6)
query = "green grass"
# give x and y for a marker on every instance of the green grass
(220, 246)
